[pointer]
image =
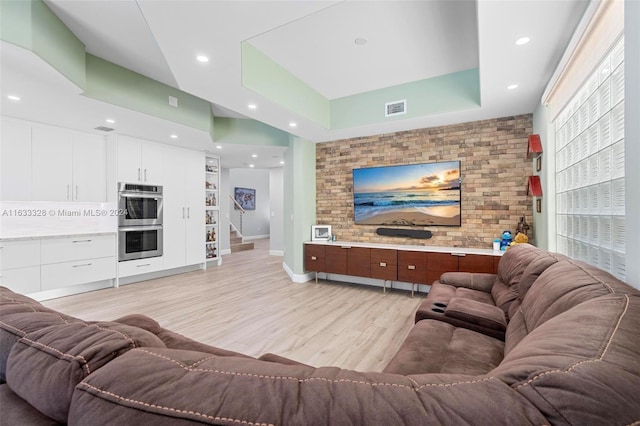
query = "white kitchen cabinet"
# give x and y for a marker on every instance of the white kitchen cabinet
(89, 168)
(32, 266)
(183, 209)
(140, 266)
(139, 161)
(20, 265)
(15, 160)
(68, 166)
(52, 164)
(65, 274)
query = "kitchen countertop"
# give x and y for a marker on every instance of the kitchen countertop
(44, 237)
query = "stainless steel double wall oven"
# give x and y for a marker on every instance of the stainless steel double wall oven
(140, 227)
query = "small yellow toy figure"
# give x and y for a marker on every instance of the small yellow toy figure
(520, 238)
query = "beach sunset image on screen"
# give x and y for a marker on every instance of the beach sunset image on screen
(415, 194)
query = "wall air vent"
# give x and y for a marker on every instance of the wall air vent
(395, 108)
(104, 129)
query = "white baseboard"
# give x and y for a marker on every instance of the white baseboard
(255, 237)
(276, 252)
(297, 278)
(225, 251)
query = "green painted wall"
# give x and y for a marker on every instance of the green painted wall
(116, 85)
(299, 200)
(264, 76)
(451, 92)
(15, 22)
(247, 131)
(57, 45)
(32, 25)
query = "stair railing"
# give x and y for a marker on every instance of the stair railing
(237, 208)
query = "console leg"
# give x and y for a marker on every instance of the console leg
(316, 277)
(412, 286)
(384, 286)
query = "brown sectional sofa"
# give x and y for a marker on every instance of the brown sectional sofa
(571, 355)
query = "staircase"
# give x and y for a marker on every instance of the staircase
(236, 243)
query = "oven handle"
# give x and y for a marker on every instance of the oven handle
(140, 228)
(140, 195)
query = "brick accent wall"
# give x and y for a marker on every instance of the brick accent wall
(494, 166)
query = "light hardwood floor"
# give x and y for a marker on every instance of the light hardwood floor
(250, 305)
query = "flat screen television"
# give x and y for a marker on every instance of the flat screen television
(425, 194)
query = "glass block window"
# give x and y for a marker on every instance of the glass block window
(590, 186)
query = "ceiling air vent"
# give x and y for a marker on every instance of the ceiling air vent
(395, 108)
(104, 129)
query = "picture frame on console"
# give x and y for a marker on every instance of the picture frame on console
(320, 232)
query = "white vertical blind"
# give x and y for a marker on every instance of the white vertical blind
(590, 185)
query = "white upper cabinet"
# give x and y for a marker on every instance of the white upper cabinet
(89, 168)
(15, 160)
(52, 164)
(139, 161)
(68, 166)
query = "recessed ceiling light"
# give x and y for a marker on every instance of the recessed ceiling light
(13, 97)
(202, 58)
(282, 162)
(218, 146)
(110, 120)
(174, 136)
(522, 40)
(252, 106)
(605, 70)
(292, 124)
(254, 155)
(512, 86)
(360, 41)
(251, 165)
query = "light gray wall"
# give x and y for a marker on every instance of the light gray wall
(255, 222)
(299, 201)
(544, 222)
(224, 211)
(632, 138)
(276, 191)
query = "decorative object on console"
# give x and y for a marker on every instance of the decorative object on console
(522, 226)
(506, 240)
(411, 194)
(408, 233)
(320, 232)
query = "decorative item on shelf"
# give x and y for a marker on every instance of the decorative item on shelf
(534, 188)
(210, 185)
(320, 232)
(520, 238)
(211, 235)
(211, 169)
(209, 219)
(212, 252)
(522, 226)
(534, 147)
(210, 200)
(507, 238)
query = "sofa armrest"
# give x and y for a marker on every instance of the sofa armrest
(474, 312)
(474, 281)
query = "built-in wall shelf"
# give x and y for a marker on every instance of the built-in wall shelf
(212, 208)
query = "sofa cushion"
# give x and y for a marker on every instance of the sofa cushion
(172, 339)
(245, 391)
(581, 366)
(17, 411)
(514, 261)
(473, 312)
(439, 347)
(475, 281)
(560, 287)
(20, 315)
(503, 295)
(45, 365)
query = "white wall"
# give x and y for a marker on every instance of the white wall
(276, 190)
(255, 222)
(224, 202)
